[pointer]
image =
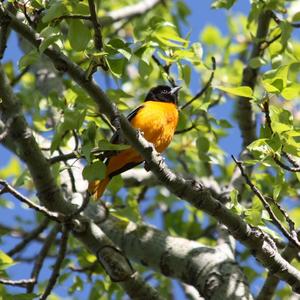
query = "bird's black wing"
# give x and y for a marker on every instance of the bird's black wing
(117, 138)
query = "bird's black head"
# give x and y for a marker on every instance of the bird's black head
(163, 93)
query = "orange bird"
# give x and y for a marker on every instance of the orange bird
(157, 119)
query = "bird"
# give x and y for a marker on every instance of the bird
(157, 119)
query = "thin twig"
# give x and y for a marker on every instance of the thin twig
(76, 139)
(267, 43)
(82, 207)
(58, 263)
(205, 88)
(287, 218)
(42, 256)
(166, 70)
(193, 126)
(63, 157)
(15, 80)
(80, 17)
(70, 172)
(97, 28)
(29, 238)
(89, 268)
(20, 282)
(296, 167)
(278, 21)
(9, 189)
(290, 159)
(284, 166)
(142, 194)
(257, 192)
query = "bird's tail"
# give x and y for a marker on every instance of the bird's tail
(97, 187)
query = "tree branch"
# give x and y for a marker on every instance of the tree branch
(29, 238)
(268, 289)
(42, 256)
(245, 114)
(49, 193)
(4, 33)
(20, 282)
(9, 189)
(190, 262)
(296, 167)
(191, 191)
(205, 88)
(97, 28)
(292, 237)
(58, 263)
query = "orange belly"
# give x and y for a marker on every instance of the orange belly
(158, 122)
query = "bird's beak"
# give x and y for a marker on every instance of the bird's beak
(175, 90)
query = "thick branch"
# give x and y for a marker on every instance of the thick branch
(192, 192)
(245, 114)
(51, 196)
(190, 262)
(271, 283)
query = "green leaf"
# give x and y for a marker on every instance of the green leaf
(76, 286)
(223, 4)
(295, 216)
(144, 69)
(28, 59)
(234, 204)
(270, 88)
(296, 17)
(260, 145)
(12, 168)
(286, 31)
(130, 212)
(186, 74)
(211, 35)
(73, 119)
(116, 66)
(94, 171)
(166, 34)
(202, 144)
(5, 261)
(79, 35)
(254, 214)
(21, 296)
(48, 41)
(242, 91)
(257, 62)
(104, 145)
(291, 92)
(183, 10)
(55, 10)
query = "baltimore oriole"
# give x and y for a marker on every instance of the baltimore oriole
(157, 119)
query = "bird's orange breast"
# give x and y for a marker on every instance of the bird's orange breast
(158, 122)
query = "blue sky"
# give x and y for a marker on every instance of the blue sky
(201, 16)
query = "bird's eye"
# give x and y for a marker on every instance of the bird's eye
(164, 92)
